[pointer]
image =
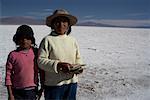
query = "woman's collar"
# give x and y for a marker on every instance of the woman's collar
(53, 33)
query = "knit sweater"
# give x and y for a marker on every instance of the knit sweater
(54, 49)
(20, 69)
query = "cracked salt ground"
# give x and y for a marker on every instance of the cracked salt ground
(117, 61)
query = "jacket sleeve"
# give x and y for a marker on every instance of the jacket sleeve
(44, 62)
(9, 68)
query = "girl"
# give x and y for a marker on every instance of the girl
(21, 68)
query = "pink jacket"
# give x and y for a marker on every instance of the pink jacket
(21, 72)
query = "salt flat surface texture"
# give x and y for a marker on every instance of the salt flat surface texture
(118, 61)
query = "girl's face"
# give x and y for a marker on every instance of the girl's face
(25, 42)
(61, 25)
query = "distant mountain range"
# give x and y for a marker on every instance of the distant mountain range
(33, 21)
(20, 20)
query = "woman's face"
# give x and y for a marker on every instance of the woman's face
(61, 25)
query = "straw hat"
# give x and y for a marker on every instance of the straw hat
(61, 12)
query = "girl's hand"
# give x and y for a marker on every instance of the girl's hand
(10, 93)
(11, 98)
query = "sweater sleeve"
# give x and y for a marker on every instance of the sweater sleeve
(78, 56)
(9, 67)
(44, 62)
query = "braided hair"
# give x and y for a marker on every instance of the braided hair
(24, 31)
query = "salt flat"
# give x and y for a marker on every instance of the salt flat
(118, 61)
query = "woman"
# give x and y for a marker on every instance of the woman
(60, 58)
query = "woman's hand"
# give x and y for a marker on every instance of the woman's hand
(64, 67)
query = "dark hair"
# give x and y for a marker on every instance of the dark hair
(69, 30)
(24, 31)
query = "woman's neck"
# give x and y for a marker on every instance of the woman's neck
(54, 33)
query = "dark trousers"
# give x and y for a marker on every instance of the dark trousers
(64, 92)
(21, 94)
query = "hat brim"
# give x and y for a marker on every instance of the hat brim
(72, 19)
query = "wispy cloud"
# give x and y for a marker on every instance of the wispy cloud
(49, 10)
(40, 14)
(137, 14)
(89, 16)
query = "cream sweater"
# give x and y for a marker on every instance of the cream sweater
(54, 49)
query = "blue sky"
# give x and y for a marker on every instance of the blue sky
(83, 9)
